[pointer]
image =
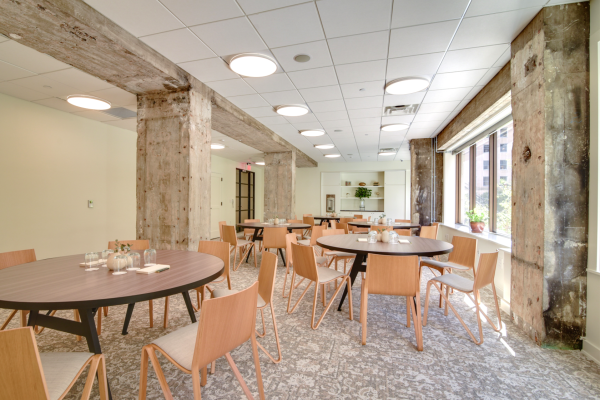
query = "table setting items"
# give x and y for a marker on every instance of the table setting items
(91, 260)
(119, 264)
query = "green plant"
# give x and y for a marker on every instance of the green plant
(363, 193)
(476, 216)
(382, 216)
(126, 247)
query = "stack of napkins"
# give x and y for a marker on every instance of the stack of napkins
(361, 239)
(403, 241)
(93, 263)
(152, 269)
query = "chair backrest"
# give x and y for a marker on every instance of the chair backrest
(346, 220)
(333, 224)
(325, 224)
(428, 232)
(330, 232)
(296, 221)
(217, 249)
(229, 235)
(359, 220)
(135, 244)
(266, 276)
(274, 238)
(308, 220)
(317, 232)
(343, 226)
(290, 239)
(465, 251)
(403, 232)
(21, 373)
(369, 218)
(221, 224)
(250, 231)
(403, 220)
(12, 258)
(393, 275)
(486, 269)
(359, 216)
(307, 215)
(358, 228)
(436, 224)
(305, 263)
(225, 323)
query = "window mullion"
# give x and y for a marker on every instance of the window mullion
(493, 180)
(472, 177)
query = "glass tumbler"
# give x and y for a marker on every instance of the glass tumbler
(90, 260)
(390, 222)
(149, 257)
(393, 238)
(120, 264)
(134, 265)
(372, 237)
(104, 257)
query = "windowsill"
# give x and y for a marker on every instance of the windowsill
(492, 237)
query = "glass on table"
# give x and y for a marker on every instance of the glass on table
(90, 260)
(134, 265)
(104, 257)
(120, 264)
(372, 237)
(394, 237)
(390, 222)
(149, 257)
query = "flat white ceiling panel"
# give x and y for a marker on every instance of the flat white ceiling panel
(230, 36)
(438, 96)
(9, 72)
(396, 100)
(194, 12)
(475, 58)
(421, 39)
(231, 87)
(256, 6)
(314, 77)
(369, 129)
(287, 97)
(359, 16)
(326, 106)
(365, 113)
(179, 46)
(117, 96)
(361, 72)
(362, 89)
(287, 130)
(431, 117)
(322, 93)
(403, 119)
(271, 83)
(96, 115)
(290, 25)
(249, 101)
(318, 52)
(364, 102)
(359, 48)
(422, 125)
(21, 92)
(504, 58)
(79, 80)
(482, 7)
(27, 58)
(211, 69)
(42, 84)
(310, 117)
(342, 124)
(275, 120)
(373, 122)
(438, 107)
(488, 76)
(129, 124)
(139, 17)
(58, 104)
(306, 125)
(461, 79)
(419, 134)
(332, 115)
(421, 65)
(411, 12)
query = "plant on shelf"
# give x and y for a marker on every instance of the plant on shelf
(362, 193)
(477, 219)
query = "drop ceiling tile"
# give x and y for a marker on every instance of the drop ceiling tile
(395, 100)
(424, 65)
(482, 7)
(9, 72)
(58, 104)
(367, 130)
(310, 117)
(96, 115)
(314, 77)
(211, 69)
(21, 92)
(337, 124)
(438, 107)
(397, 119)
(290, 25)
(249, 101)
(374, 121)
(473, 92)
(179, 46)
(117, 96)
(286, 130)
(139, 17)
(128, 124)
(419, 134)
(492, 29)
(259, 111)
(431, 117)
(42, 84)
(231, 87)
(362, 89)
(79, 80)
(423, 125)
(194, 12)
(275, 120)
(271, 83)
(3, 38)
(254, 6)
(454, 80)
(365, 113)
(364, 102)
(489, 75)
(421, 39)
(318, 52)
(306, 125)
(361, 72)
(504, 59)
(322, 93)
(27, 58)
(410, 12)
(475, 58)
(359, 48)
(358, 16)
(439, 96)
(287, 97)
(326, 106)
(332, 115)
(230, 36)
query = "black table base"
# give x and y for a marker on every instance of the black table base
(257, 237)
(356, 268)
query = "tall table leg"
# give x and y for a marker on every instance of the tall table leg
(127, 318)
(188, 304)
(282, 256)
(356, 268)
(254, 239)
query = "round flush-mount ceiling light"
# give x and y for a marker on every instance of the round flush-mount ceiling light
(394, 127)
(291, 110)
(217, 146)
(312, 132)
(324, 146)
(252, 65)
(406, 85)
(332, 155)
(89, 102)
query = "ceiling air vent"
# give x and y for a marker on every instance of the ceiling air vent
(405, 109)
(121, 112)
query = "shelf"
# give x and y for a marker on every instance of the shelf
(362, 211)
(356, 198)
(380, 186)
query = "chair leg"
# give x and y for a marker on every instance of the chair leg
(102, 379)
(323, 294)
(237, 374)
(287, 271)
(166, 317)
(259, 380)
(264, 331)
(151, 313)
(447, 296)
(364, 299)
(89, 382)
(415, 306)
(427, 302)
(149, 349)
(303, 293)
(276, 339)
(12, 314)
(349, 286)
(196, 383)
(99, 326)
(408, 311)
(24, 317)
(106, 311)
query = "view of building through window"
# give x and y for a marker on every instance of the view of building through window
(504, 187)
(482, 178)
(464, 186)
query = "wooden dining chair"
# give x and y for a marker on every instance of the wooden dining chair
(299, 232)
(217, 249)
(428, 232)
(221, 224)
(356, 229)
(325, 224)
(403, 232)
(225, 324)
(346, 220)
(343, 226)
(10, 259)
(274, 238)
(337, 255)
(238, 245)
(305, 266)
(358, 216)
(249, 232)
(484, 277)
(266, 286)
(289, 259)
(333, 224)
(25, 373)
(396, 276)
(308, 219)
(306, 215)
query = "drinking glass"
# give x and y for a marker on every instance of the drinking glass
(390, 222)
(135, 261)
(372, 237)
(90, 259)
(393, 238)
(120, 264)
(149, 257)
(104, 259)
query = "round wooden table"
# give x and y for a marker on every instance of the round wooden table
(325, 218)
(260, 226)
(370, 224)
(350, 244)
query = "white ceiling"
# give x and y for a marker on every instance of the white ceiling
(234, 150)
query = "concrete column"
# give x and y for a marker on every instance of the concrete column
(173, 168)
(426, 195)
(280, 184)
(550, 105)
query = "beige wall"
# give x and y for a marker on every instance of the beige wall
(51, 164)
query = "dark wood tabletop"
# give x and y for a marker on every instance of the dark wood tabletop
(417, 246)
(261, 225)
(397, 225)
(60, 283)
(326, 218)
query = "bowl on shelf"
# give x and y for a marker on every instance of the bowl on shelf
(362, 184)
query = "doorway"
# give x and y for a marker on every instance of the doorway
(245, 187)
(216, 203)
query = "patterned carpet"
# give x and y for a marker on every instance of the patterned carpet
(331, 363)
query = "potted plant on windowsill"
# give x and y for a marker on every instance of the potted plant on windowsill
(477, 220)
(362, 193)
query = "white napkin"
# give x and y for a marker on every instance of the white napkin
(99, 262)
(403, 241)
(152, 269)
(361, 240)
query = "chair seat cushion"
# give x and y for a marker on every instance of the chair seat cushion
(439, 264)
(242, 242)
(455, 281)
(60, 369)
(339, 253)
(321, 260)
(328, 274)
(180, 344)
(305, 242)
(226, 292)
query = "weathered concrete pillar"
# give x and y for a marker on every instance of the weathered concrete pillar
(173, 168)
(427, 191)
(550, 106)
(280, 184)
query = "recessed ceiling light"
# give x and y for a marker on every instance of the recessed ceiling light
(324, 146)
(216, 146)
(291, 110)
(406, 85)
(302, 58)
(387, 152)
(89, 102)
(312, 132)
(252, 65)
(260, 163)
(394, 127)
(332, 155)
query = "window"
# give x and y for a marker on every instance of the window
(504, 179)
(504, 188)
(486, 164)
(486, 181)
(503, 165)
(503, 148)
(504, 132)
(482, 178)
(486, 148)
(464, 199)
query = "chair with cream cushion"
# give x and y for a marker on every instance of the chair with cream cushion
(274, 238)
(10, 259)
(356, 229)
(299, 232)
(337, 255)
(317, 232)
(310, 220)
(25, 373)
(217, 249)
(290, 239)
(225, 324)
(241, 245)
(403, 232)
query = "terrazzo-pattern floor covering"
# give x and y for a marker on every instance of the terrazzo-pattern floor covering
(331, 363)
